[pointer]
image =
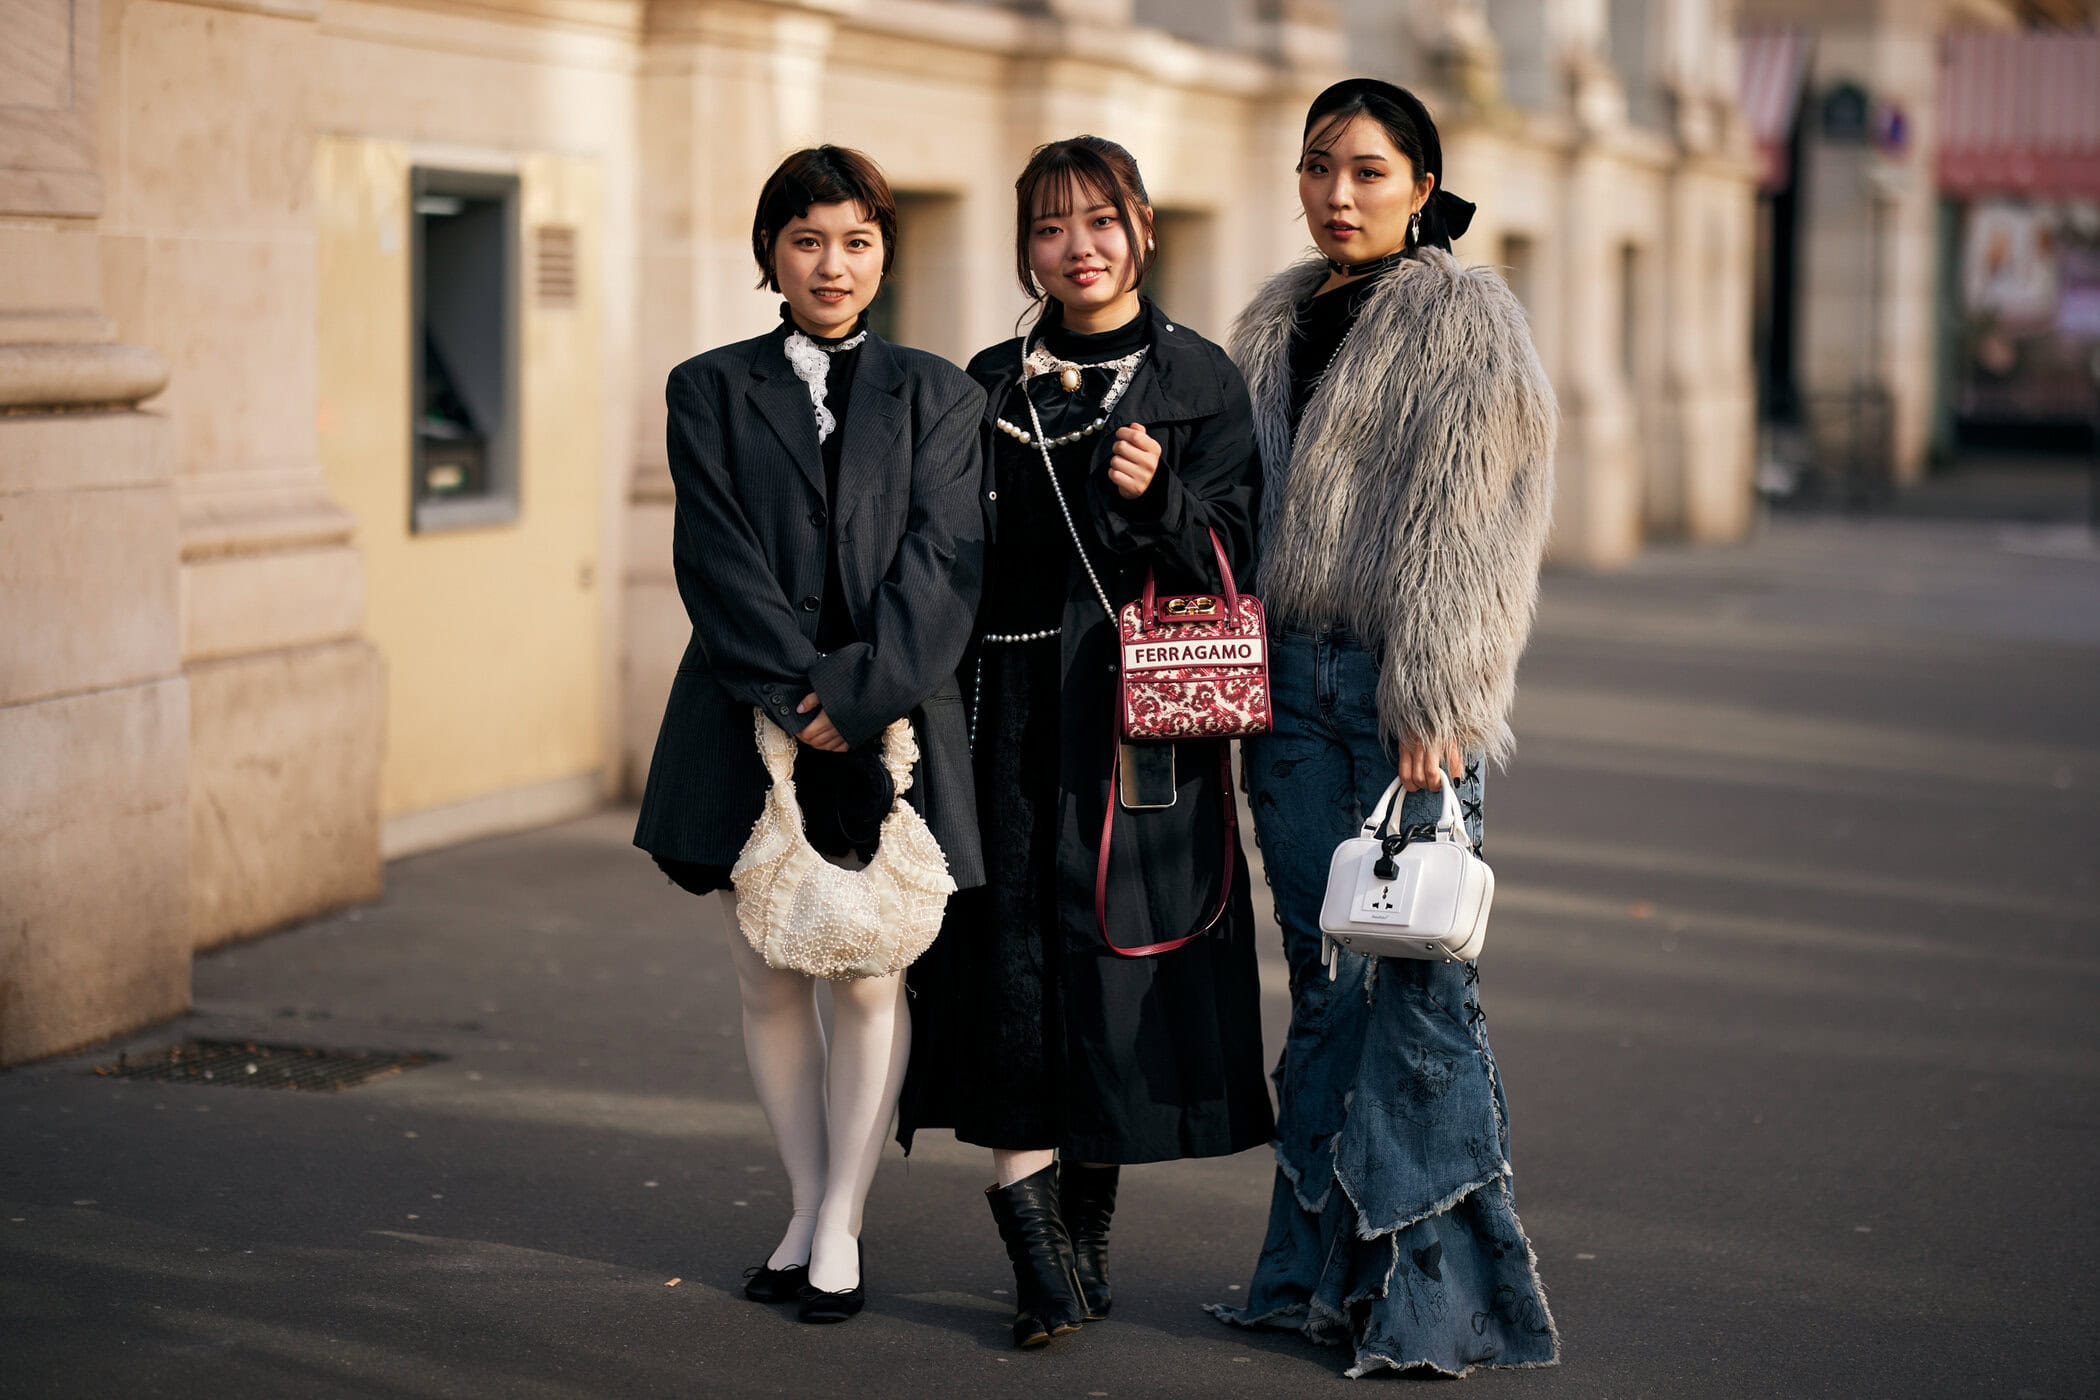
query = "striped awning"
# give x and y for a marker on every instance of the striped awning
(2019, 113)
(1774, 63)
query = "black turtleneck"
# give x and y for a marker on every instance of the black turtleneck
(835, 622)
(1323, 324)
(1025, 586)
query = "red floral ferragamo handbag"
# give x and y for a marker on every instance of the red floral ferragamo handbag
(1195, 666)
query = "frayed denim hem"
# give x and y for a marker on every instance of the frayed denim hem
(1295, 1175)
(1368, 1362)
(1326, 1324)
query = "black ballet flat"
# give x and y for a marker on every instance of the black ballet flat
(764, 1285)
(820, 1306)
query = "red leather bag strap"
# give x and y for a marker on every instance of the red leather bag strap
(1232, 846)
(1148, 617)
(1232, 592)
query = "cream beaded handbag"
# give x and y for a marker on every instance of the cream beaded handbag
(804, 914)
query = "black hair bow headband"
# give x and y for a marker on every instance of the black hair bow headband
(1456, 214)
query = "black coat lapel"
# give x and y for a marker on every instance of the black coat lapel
(783, 401)
(874, 416)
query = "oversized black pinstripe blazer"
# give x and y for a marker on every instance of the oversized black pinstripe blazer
(749, 550)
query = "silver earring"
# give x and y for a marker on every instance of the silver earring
(1414, 229)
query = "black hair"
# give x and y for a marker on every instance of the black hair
(1062, 174)
(1408, 125)
(821, 175)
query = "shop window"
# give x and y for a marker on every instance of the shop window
(464, 453)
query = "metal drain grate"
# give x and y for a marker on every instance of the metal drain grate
(254, 1065)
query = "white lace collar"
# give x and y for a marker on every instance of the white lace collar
(812, 364)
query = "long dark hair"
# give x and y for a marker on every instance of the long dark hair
(821, 175)
(1074, 174)
(1408, 125)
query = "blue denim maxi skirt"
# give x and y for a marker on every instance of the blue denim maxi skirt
(1393, 1226)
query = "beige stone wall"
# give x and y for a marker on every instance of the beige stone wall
(94, 706)
(492, 635)
(206, 246)
(500, 642)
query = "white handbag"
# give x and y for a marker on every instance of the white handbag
(1390, 896)
(803, 913)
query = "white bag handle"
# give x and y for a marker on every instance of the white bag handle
(776, 749)
(1450, 823)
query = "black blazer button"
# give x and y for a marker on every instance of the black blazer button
(818, 518)
(810, 603)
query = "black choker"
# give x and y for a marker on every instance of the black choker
(1364, 269)
(830, 345)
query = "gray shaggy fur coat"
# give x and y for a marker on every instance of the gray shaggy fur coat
(1414, 502)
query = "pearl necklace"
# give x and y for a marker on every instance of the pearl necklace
(1039, 361)
(977, 685)
(1034, 362)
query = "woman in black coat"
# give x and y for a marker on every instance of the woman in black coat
(828, 548)
(1033, 1036)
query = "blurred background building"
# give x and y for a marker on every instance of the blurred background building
(334, 517)
(1928, 265)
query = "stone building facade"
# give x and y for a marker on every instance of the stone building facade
(1858, 301)
(334, 517)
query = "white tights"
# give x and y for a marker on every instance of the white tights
(830, 1113)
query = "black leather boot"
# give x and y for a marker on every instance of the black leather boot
(1087, 1199)
(1047, 1300)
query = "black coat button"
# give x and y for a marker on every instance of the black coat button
(810, 603)
(818, 518)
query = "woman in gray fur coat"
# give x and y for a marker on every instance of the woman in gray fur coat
(1406, 430)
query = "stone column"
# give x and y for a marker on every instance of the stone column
(94, 707)
(1597, 504)
(1699, 485)
(208, 243)
(1870, 233)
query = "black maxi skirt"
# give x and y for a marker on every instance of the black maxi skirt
(1026, 1032)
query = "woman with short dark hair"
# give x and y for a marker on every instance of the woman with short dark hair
(1407, 430)
(1056, 1022)
(828, 548)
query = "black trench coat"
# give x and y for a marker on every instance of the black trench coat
(1162, 1055)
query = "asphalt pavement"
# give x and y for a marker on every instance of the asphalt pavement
(1793, 977)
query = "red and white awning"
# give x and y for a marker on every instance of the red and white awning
(2019, 113)
(1774, 65)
